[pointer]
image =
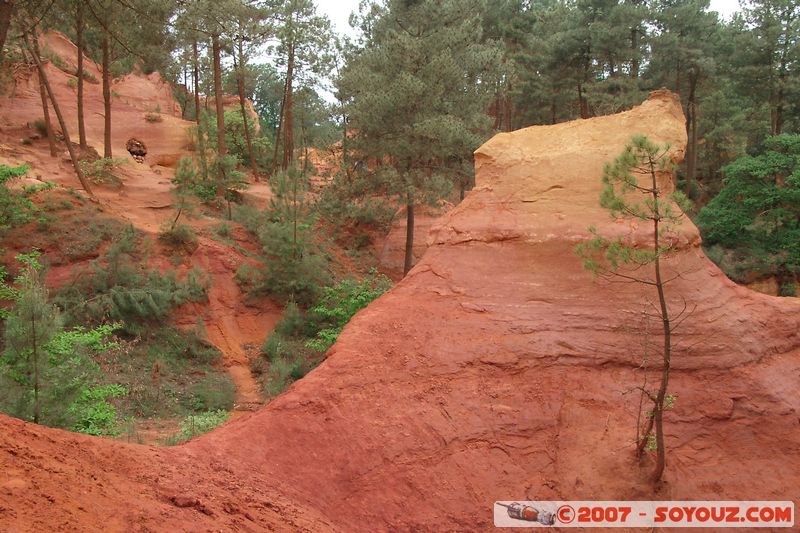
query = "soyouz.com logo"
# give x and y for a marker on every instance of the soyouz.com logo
(644, 514)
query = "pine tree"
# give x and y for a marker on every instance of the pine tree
(303, 41)
(635, 172)
(30, 327)
(416, 98)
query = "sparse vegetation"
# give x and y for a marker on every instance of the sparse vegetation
(195, 425)
(101, 171)
(153, 117)
(120, 287)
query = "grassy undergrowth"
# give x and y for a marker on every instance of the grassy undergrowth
(114, 360)
(302, 337)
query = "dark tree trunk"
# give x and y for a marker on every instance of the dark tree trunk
(658, 408)
(79, 73)
(409, 257)
(288, 137)
(196, 80)
(635, 53)
(48, 124)
(222, 150)
(278, 132)
(201, 141)
(6, 7)
(691, 131)
(34, 51)
(240, 86)
(106, 96)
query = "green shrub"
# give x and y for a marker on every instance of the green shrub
(88, 76)
(215, 392)
(755, 218)
(15, 209)
(788, 289)
(282, 373)
(195, 425)
(153, 117)
(72, 83)
(92, 412)
(57, 61)
(179, 236)
(100, 171)
(40, 126)
(119, 286)
(340, 302)
(224, 230)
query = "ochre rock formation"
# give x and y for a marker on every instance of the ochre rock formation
(497, 369)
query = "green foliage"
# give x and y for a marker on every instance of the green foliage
(295, 268)
(120, 287)
(15, 209)
(195, 425)
(92, 412)
(179, 236)
(340, 302)
(101, 171)
(632, 174)
(48, 372)
(153, 117)
(414, 94)
(188, 181)
(49, 55)
(753, 222)
(212, 393)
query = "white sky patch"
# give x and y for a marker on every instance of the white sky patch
(726, 8)
(339, 13)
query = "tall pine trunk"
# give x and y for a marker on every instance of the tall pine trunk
(221, 148)
(79, 73)
(658, 408)
(278, 132)
(409, 255)
(248, 140)
(288, 136)
(635, 53)
(691, 131)
(201, 141)
(106, 95)
(48, 124)
(34, 52)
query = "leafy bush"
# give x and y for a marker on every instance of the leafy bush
(48, 54)
(788, 289)
(340, 302)
(195, 425)
(92, 412)
(757, 213)
(67, 379)
(153, 117)
(15, 209)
